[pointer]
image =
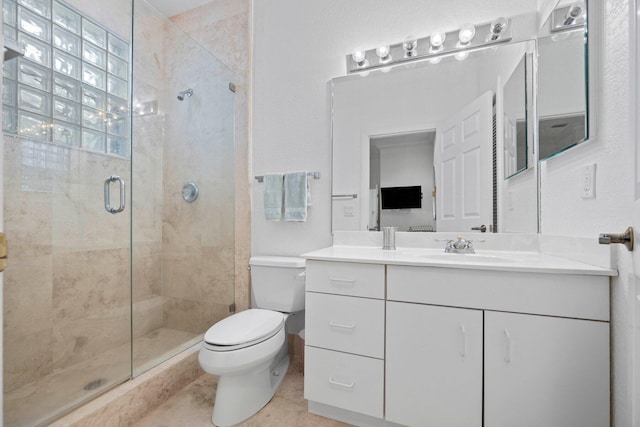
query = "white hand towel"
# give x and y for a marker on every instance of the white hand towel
(273, 195)
(296, 196)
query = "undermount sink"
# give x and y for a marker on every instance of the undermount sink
(468, 258)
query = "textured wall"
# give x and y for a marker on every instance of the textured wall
(612, 148)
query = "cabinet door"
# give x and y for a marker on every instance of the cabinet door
(545, 371)
(433, 365)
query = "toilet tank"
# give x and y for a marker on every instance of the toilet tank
(277, 283)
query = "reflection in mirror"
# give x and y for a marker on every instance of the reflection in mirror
(562, 92)
(432, 125)
(401, 178)
(515, 121)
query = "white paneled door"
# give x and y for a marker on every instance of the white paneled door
(463, 164)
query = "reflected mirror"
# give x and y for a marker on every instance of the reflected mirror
(562, 85)
(515, 121)
(415, 147)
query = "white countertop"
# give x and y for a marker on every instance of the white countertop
(532, 262)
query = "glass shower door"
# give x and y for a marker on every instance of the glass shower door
(67, 329)
(183, 132)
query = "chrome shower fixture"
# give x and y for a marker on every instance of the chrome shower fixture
(187, 93)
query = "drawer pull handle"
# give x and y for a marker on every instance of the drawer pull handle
(507, 355)
(341, 325)
(463, 332)
(342, 282)
(341, 384)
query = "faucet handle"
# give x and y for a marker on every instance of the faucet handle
(461, 243)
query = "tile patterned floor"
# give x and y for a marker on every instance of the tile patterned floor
(192, 406)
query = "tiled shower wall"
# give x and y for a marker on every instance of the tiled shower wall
(223, 27)
(67, 286)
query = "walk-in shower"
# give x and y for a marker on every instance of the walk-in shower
(185, 93)
(94, 297)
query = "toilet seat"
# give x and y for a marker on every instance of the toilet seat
(243, 329)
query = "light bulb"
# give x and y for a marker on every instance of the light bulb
(575, 11)
(435, 60)
(466, 34)
(384, 53)
(461, 56)
(437, 40)
(497, 27)
(410, 44)
(359, 56)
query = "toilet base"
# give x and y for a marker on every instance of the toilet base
(239, 397)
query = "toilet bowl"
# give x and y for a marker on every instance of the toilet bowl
(248, 350)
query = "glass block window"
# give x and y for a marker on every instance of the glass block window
(72, 85)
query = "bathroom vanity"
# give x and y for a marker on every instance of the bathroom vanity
(416, 337)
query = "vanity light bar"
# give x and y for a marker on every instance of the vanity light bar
(569, 17)
(421, 48)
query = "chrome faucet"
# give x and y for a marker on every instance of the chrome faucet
(460, 246)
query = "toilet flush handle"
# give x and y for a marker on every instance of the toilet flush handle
(301, 276)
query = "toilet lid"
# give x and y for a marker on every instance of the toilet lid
(246, 326)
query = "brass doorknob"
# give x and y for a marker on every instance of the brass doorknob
(4, 251)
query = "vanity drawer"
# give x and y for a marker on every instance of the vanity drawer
(354, 383)
(349, 324)
(564, 295)
(345, 278)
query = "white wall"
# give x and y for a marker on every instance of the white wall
(299, 46)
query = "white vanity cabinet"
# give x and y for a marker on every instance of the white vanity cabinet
(541, 367)
(423, 345)
(344, 336)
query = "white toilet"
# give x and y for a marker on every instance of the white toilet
(248, 350)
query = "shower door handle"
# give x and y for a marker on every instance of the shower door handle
(107, 194)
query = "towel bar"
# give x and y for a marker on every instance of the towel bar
(314, 175)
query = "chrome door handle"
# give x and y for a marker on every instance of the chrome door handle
(482, 228)
(107, 194)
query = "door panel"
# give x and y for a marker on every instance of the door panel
(463, 164)
(545, 371)
(433, 365)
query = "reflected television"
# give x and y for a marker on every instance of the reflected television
(401, 197)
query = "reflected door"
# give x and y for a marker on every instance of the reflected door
(463, 165)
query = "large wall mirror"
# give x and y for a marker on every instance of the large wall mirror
(454, 143)
(417, 146)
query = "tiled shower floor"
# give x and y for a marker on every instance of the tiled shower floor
(62, 390)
